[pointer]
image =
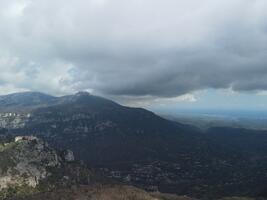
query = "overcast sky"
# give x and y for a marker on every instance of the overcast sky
(142, 52)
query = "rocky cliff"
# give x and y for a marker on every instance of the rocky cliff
(25, 162)
(29, 165)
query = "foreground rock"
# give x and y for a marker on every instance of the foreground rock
(28, 165)
(25, 162)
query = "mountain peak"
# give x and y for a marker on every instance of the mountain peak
(82, 93)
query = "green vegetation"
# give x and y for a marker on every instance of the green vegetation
(6, 146)
(6, 160)
(9, 158)
(18, 191)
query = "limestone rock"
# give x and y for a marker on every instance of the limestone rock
(25, 162)
(68, 156)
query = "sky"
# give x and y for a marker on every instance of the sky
(150, 53)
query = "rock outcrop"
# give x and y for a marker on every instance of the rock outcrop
(68, 155)
(28, 165)
(25, 162)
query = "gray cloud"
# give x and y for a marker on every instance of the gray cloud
(136, 48)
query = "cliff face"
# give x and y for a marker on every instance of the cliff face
(26, 162)
(28, 166)
(13, 120)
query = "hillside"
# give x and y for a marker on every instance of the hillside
(103, 192)
(30, 169)
(137, 147)
(29, 166)
(97, 126)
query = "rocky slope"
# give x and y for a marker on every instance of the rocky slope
(30, 169)
(20, 162)
(28, 165)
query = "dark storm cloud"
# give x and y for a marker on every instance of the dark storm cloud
(136, 48)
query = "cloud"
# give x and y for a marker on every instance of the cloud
(161, 49)
(150, 101)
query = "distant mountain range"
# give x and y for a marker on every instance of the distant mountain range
(140, 148)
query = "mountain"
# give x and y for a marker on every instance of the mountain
(97, 127)
(19, 102)
(137, 147)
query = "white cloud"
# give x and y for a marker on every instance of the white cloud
(262, 93)
(185, 97)
(161, 49)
